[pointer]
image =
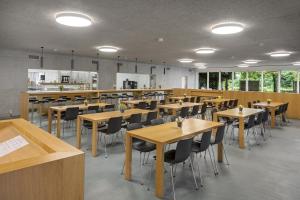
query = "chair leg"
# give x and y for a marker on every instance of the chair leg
(172, 182)
(192, 167)
(225, 155)
(105, 147)
(212, 163)
(122, 171)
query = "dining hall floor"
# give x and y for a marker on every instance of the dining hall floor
(268, 171)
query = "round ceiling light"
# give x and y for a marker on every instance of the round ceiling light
(185, 60)
(243, 65)
(227, 28)
(108, 49)
(205, 50)
(280, 53)
(251, 61)
(200, 65)
(296, 63)
(73, 19)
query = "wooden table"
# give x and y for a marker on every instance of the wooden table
(162, 135)
(102, 117)
(137, 101)
(45, 168)
(177, 98)
(272, 108)
(60, 109)
(216, 101)
(174, 107)
(234, 113)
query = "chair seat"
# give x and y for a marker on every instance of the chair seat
(238, 125)
(144, 146)
(88, 125)
(196, 147)
(170, 156)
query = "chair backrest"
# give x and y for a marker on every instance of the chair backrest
(265, 116)
(236, 101)
(281, 108)
(135, 118)
(142, 105)
(251, 121)
(203, 108)
(249, 104)
(155, 122)
(198, 99)
(195, 110)
(94, 108)
(162, 102)
(150, 116)
(153, 105)
(114, 125)
(259, 118)
(192, 99)
(205, 141)
(258, 101)
(134, 126)
(286, 107)
(183, 150)
(109, 107)
(220, 134)
(186, 99)
(230, 103)
(184, 112)
(225, 104)
(71, 113)
(172, 118)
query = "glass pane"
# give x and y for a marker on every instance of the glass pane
(288, 81)
(270, 81)
(254, 79)
(203, 80)
(226, 80)
(239, 81)
(213, 80)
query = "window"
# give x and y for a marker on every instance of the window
(254, 79)
(288, 81)
(270, 81)
(226, 80)
(239, 81)
(203, 80)
(214, 80)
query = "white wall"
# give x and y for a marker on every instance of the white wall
(15, 64)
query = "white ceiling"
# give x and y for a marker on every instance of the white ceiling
(135, 26)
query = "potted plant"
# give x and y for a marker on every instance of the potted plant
(180, 102)
(61, 88)
(179, 122)
(85, 102)
(241, 107)
(269, 101)
(122, 107)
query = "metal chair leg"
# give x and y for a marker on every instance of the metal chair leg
(225, 155)
(192, 167)
(105, 147)
(172, 181)
(212, 163)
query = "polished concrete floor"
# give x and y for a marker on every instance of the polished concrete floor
(269, 171)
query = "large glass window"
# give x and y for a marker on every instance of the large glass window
(288, 81)
(270, 81)
(226, 80)
(254, 79)
(203, 80)
(214, 80)
(240, 81)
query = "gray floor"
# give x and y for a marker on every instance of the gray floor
(268, 171)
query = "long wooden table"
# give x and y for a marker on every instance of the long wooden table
(234, 113)
(101, 117)
(272, 108)
(174, 107)
(165, 134)
(177, 98)
(216, 101)
(60, 109)
(137, 101)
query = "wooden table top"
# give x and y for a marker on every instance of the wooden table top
(81, 106)
(169, 132)
(180, 97)
(217, 100)
(137, 101)
(236, 113)
(104, 116)
(176, 106)
(266, 105)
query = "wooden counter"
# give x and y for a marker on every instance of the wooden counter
(45, 168)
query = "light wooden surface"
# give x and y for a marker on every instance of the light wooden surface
(234, 113)
(46, 168)
(272, 108)
(137, 101)
(174, 107)
(216, 101)
(101, 117)
(162, 135)
(180, 97)
(60, 109)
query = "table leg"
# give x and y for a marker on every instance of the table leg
(128, 158)
(273, 118)
(78, 133)
(94, 138)
(241, 133)
(49, 120)
(58, 124)
(159, 176)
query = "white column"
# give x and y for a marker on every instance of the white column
(219, 85)
(279, 82)
(207, 84)
(298, 75)
(247, 78)
(262, 81)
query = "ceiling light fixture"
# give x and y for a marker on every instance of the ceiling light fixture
(296, 63)
(280, 53)
(227, 28)
(205, 50)
(251, 61)
(73, 19)
(108, 49)
(185, 60)
(243, 66)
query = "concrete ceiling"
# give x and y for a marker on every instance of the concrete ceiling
(135, 26)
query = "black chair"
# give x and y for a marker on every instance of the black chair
(158, 121)
(279, 114)
(153, 105)
(284, 115)
(114, 125)
(109, 107)
(96, 109)
(199, 146)
(184, 112)
(218, 139)
(179, 155)
(265, 121)
(185, 99)
(192, 99)
(198, 99)
(195, 111)
(230, 103)
(258, 123)
(249, 105)
(142, 105)
(235, 104)
(203, 111)
(150, 116)
(69, 116)
(133, 119)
